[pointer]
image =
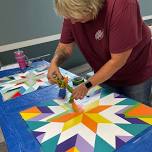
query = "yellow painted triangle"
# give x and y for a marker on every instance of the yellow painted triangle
(74, 121)
(27, 116)
(147, 120)
(65, 107)
(91, 106)
(98, 118)
(73, 149)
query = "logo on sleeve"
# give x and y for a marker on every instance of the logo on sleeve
(99, 35)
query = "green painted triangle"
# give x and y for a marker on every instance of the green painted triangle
(128, 102)
(134, 129)
(101, 144)
(50, 145)
(35, 124)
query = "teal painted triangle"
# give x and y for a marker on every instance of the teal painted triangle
(101, 145)
(128, 102)
(48, 103)
(105, 92)
(29, 90)
(50, 145)
(22, 90)
(35, 124)
(134, 129)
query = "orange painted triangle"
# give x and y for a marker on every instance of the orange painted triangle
(32, 110)
(98, 109)
(73, 149)
(140, 110)
(65, 117)
(89, 123)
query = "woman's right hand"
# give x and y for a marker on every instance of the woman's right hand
(53, 70)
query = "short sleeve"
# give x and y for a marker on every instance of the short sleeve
(66, 34)
(125, 27)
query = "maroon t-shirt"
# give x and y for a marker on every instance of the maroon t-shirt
(117, 28)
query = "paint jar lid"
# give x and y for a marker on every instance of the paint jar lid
(77, 80)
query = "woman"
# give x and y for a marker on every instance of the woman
(114, 40)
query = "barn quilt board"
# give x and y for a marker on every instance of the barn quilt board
(108, 122)
(23, 83)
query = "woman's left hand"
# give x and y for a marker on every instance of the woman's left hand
(79, 92)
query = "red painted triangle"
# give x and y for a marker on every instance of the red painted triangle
(19, 83)
(16, 95)
(23, 77)
(39, 80)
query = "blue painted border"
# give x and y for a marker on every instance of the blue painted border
(20, 139)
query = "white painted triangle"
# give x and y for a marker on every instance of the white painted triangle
(108, 132)
(51, 129)
(110, 114)
(80, 129)
(110, 100)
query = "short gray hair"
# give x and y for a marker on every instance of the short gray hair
(78, 8)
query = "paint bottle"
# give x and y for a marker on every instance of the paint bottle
(62, 93)
(21, 59)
